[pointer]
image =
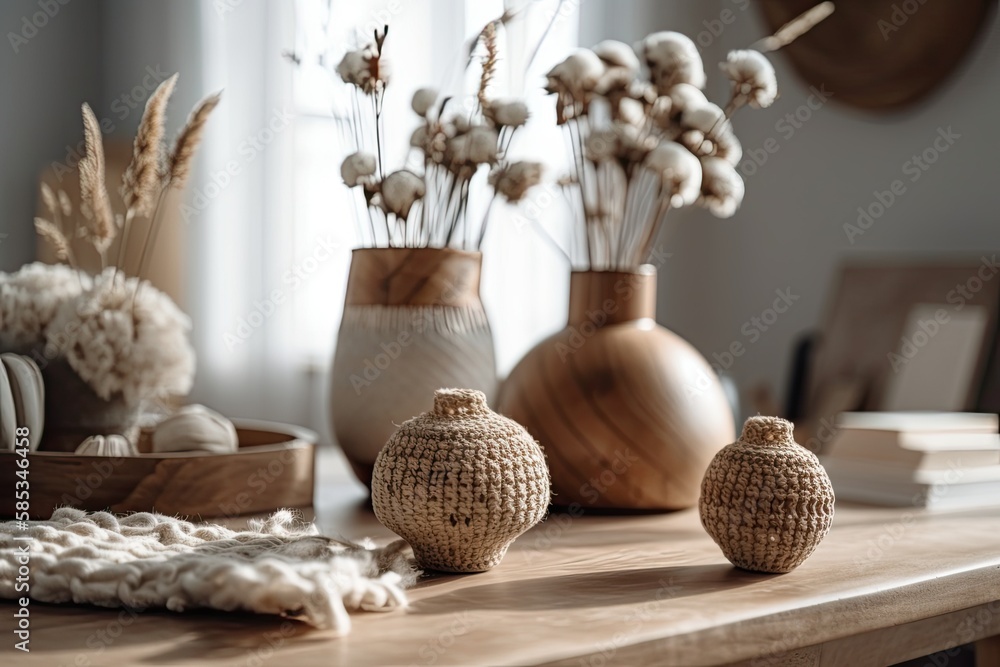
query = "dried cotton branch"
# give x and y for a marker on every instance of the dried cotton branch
(795, 28)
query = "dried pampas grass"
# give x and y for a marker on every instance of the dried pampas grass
(55, 237)
(187, 142)
(100, 227)
(139, 183)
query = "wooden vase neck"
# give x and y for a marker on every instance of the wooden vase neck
(612, 297)
(414, 277)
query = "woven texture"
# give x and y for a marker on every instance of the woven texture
(765, 500)
(279, 566)
(460, 483)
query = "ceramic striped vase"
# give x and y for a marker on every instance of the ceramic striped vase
(629, 414)
(413, 323)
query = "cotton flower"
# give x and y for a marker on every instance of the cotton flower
(577, 75)
(727, 146)
(685, 96)
(475, 147)
(722, 188)
(615, 54)
(423, 100)
(672, 58)
(358, 169)
(680, 171)
(753, 78)
(365, 69)
(514, 180)
(419, 138)
(124, 343)
(400, 190)
(707, 118)
(30, 298)
(632, 112)
(507, 113)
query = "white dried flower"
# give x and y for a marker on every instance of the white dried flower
(30, 299)
(685, 96)
(419, 138)
(617, 54)
(727, 145)
(632, 112)
(423, 100)
(680, 171)
(753, 77)
(400, 190)
(475, 147)
(694, 141)
(358, 169)
(672, 58)
(577, 75)
(365, 69)
(661, 112)
(507, 113)
(722, 189)
(514, 180)
(707, 118)
(125, 344)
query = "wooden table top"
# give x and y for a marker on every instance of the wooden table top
(619, 589)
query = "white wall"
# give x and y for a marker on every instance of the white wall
(43, 82)
(789, 232)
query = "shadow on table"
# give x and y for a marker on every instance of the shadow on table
(600, 589)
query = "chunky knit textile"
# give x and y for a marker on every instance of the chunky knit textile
(765, 500)
(460, 483)
(143, 560)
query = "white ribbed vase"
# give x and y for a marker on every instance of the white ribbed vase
(412, 323)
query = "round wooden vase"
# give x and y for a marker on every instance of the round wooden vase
(629, 414)
(413, 323)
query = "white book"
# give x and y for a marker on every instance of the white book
(898, 487)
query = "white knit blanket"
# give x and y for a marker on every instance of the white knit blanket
(278, 566)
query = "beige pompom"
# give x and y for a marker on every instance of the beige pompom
(400, 190)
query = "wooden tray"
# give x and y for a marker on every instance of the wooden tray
(273, 468)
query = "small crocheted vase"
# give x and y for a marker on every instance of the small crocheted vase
(459, 483)
(765, 500)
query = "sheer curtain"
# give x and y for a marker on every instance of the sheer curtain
(275, 225)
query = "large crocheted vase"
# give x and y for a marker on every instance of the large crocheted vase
(765, 500)
(413, 323)
(459, 483)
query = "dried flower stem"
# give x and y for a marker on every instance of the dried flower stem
(795, 28)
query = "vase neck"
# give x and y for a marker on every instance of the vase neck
(414, 277)
(612, 297)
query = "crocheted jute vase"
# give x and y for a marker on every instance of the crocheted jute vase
(413, 322)
(765, 500)
(459, 483)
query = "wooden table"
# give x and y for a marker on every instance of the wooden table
(886, 585)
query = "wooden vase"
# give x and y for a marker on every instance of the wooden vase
(629, 414)
(413, 323)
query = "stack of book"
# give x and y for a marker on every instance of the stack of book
(936, 460)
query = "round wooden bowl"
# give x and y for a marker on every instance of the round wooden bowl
(273, 468)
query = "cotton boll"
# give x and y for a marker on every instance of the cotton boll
(727, 146)
(354, 69)
(722, 189)
(475, 147)
(685, 96)
(358, 168)
(707, 118)
(400, 190)
(195, 428)
(672, 58)
(419, 138)
(30, 298)
(577, 74)
(662, 112)
(508, 113)
(753, 77)
(514, 180)
(680, 171)
(632, 112)
(617, 54)
(423, 100)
